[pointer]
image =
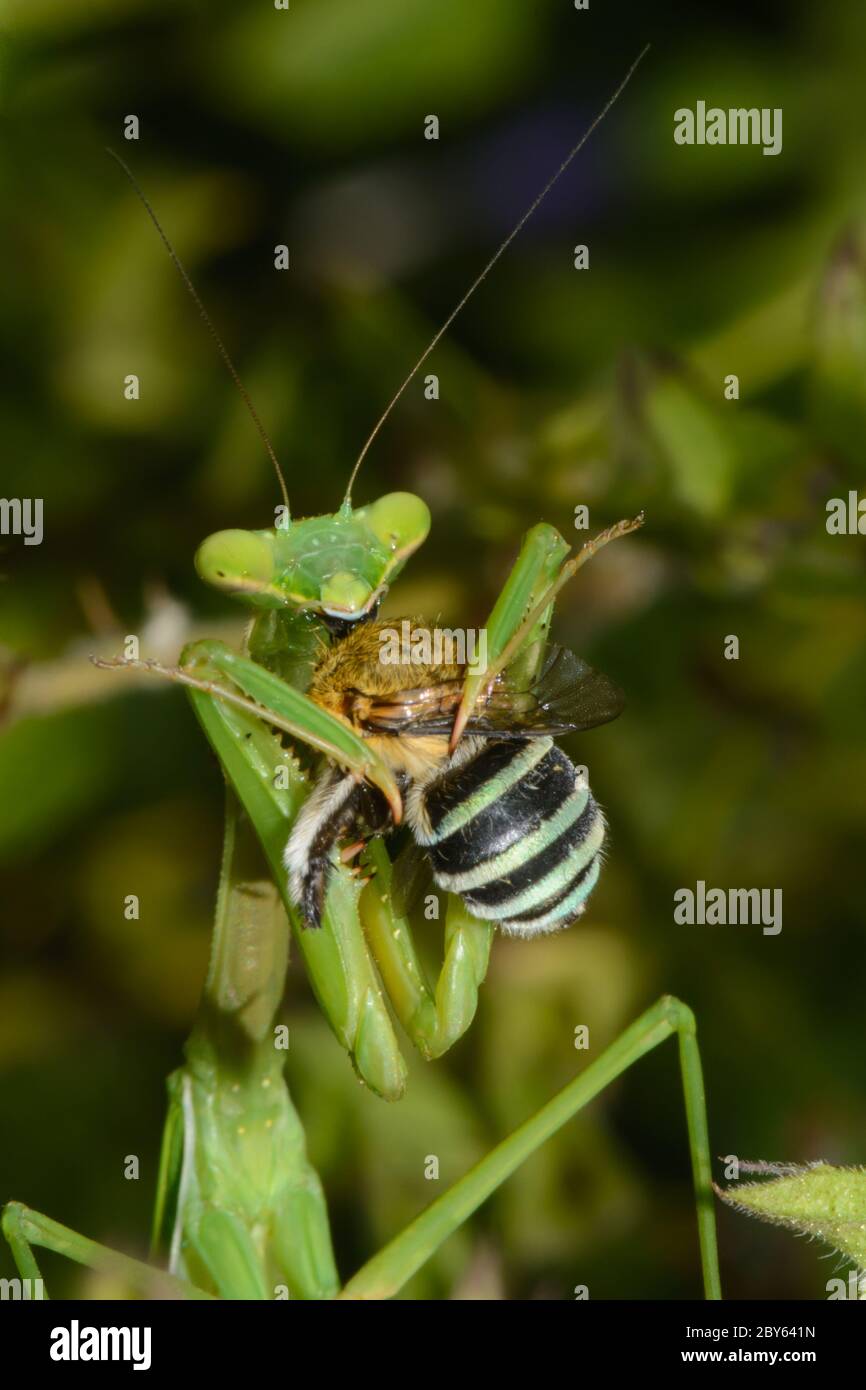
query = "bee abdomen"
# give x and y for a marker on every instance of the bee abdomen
(516, 832)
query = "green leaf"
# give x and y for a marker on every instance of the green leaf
(693, 442)
(838, 386)
(311, 70)
(818, 1200)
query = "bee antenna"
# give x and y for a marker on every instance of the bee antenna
(223, 351)
(575, 150)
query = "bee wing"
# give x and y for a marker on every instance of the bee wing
(422, 710)
(568, 694)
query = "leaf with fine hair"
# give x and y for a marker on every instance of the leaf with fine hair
(816, 1199)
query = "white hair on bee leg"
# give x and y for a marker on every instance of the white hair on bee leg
(328, 795)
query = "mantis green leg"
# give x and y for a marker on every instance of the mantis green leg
(265, 694)
(246, 1209)
(534, 571)
(24, 1228)
(518, 625)
(386, 1273)
(345, 978)
(272, 787)
(434, 1020)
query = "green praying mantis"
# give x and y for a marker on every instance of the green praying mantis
(240, 1212)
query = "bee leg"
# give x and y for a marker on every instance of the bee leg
(339, 806)
(374, 809)
(323, 820)
(349, 853)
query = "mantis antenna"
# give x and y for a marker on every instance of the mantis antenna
(491, 263)
(223, 351)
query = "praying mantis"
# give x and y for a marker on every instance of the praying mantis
(240, 1212)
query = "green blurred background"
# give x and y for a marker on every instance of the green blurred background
(558, 387)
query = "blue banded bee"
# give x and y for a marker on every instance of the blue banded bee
(506, 821)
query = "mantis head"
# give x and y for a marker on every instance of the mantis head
(339, 566)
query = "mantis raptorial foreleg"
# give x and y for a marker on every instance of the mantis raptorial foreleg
(211, 668)
(518, 625)
(271, 786)
(433, 1019)
(337, 955)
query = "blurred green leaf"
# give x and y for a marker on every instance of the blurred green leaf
(310, 70)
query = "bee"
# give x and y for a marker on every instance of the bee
(505, 820)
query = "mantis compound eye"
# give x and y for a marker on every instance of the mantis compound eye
(238, 562)
(400, 520)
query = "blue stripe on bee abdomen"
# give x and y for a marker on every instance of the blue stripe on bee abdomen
(538, 846)
(516, 832)
(486, 805)
(559, 911)
(547, 874)
(484, 798)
